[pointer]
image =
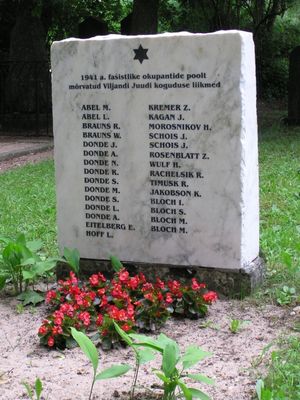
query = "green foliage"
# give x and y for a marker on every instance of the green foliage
(279, 205)
(262, 392)
(68, 13)
(72, 257)
(173, 365)
(277, 45)
(142, 356)
(283, 380)
(30, 297)
(116, 263)
(285, 296)
(28, 204)
(91, 352)
(37, 389)
(236, 325)
(22, 264)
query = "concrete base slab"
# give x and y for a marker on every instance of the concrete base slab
(228, 282)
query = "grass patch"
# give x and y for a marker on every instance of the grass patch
(279, 155)
(28, 204)
(283, 379)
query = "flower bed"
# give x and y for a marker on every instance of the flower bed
(133, 302)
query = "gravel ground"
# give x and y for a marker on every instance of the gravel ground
(67, 375)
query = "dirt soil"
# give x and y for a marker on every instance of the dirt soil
(66, 375)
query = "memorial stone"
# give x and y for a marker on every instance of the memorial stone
(156, 148)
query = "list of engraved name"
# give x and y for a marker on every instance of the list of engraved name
(176, 168)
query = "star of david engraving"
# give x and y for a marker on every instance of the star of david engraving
(140, 54)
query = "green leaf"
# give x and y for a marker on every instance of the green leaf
(123, 335)
(28, 261)
(21, 239)
(201, 378)
(145, 355)
(259, 388)
(38, 388)
(116, 263)
(12, 255)
(26, 253)
(113, 372)
(30, 297)
(72, 257)
(163, 340)
(34, 245)
(193, 355)
(185, 390)
(262, 392)
(145, 341)
(199, 394)
(28, 389)
(87, 346)
(5, 240)
(162, 377)
(169, 360)
(45, 266)
(29, 274)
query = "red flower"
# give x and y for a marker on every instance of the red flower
(101, 277)
(85, 317)
(50, 341)
(149, 296)
(125, 327)
(58, 321)
(67, 309)
(122, 315)
(123, 275)
(101, 292)
(133, 283)
(43, 330)
(160, 297)
(169, 298)
(147, 286)
(159, 284)
(94, 280)
(50, 295)
(130, 311)
(73, 278)
(209, 297)
(142, 277)
(117, 292)
(99, 320)
(196, 285)
(57, 330)
(113, 312)
(79, 299)
(104, 301)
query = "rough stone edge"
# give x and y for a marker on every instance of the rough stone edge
(227, 282)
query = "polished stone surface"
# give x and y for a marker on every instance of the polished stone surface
(156, 148)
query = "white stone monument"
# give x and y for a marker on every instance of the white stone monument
(156, 148)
